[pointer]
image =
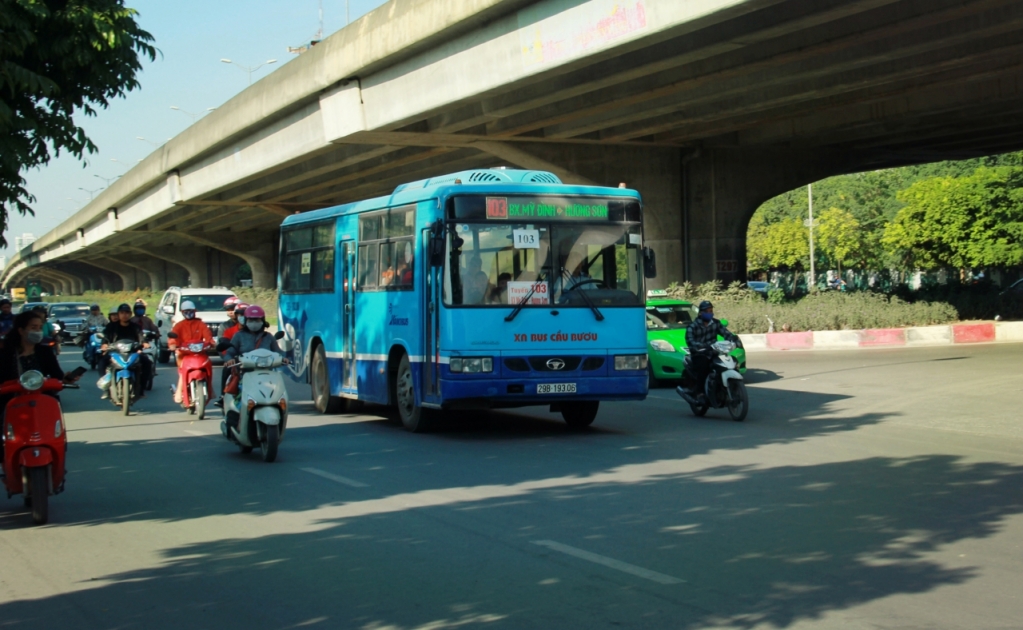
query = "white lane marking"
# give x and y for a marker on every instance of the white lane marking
(338, 478)
(199, 433)
(611, 563)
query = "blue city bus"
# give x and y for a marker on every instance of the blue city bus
(490, 288)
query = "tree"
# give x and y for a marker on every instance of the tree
(58, 57)
(839, 237)
(973, 221)
(785, 243)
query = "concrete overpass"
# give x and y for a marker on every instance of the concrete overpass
(708, 107)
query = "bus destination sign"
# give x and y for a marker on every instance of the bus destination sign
(511, 208)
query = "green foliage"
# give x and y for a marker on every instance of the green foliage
(972, 221)
(840, 237)
(775, 296)
(873, 200)
(58, 58)
(784, 243)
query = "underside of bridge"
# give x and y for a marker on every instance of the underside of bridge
(707, 119)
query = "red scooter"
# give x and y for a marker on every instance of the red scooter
(35, 441)
(198, 370)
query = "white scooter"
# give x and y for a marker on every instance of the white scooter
(723, 387)
(258, 414)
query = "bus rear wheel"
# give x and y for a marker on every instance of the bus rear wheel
(413, 418)
(320, 382)
(580, 415)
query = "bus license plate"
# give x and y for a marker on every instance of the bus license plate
(555, 388)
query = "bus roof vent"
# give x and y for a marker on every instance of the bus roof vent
(487, 176)
(484, 176)
(542, 177)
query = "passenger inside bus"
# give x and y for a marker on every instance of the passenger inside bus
(474, 282)
(499, 294)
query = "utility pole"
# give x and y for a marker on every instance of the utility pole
(809, 223)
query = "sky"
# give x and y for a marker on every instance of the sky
(192, 37)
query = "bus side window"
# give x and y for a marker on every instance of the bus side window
(368, 267)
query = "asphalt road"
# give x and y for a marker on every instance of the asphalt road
(870, 489)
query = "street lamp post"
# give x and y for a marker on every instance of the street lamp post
(92, 193)
(107, 180)
(810, 224)
(249, 70)
(193, 115)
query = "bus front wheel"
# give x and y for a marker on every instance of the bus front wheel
(320, 380)
(413, 417)
(580, 415)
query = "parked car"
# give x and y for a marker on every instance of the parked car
(666, 323)
(759, 286)
(1015, 289)
(209, 307)
(71, 316)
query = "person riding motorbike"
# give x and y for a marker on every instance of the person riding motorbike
(6, 317)
(252, 337)
(141, 320)
(700, 336)
(112, 316)
(227, 331)
(230, 307)
(23, 351)
(96, 319)
(123, 328)
(189, 330)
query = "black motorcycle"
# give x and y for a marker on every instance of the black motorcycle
(723, 387)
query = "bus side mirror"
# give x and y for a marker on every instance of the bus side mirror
(649, 263)
(436, 246)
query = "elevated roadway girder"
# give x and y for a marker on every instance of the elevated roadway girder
(707, 107)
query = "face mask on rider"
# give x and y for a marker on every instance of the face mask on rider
(34, 336)
(188, 314)
(241, 320)
(706, 316)
(254, 325)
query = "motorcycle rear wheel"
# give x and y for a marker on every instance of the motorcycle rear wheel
(738, 405)
(38, 482)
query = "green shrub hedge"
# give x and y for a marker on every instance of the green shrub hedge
(748, 312)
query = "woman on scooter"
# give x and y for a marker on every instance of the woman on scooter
(189, 330)
(251, 336)
(23, 351)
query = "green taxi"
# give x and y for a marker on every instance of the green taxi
(666, 323)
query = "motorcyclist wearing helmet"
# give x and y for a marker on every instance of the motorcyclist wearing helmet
(189, 330)
(231, 308)
(237, 324)
(123, 328)
(253, 336)
(141, 320)
(700, 336)
(112, 316)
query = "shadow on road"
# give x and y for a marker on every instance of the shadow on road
(754, 546)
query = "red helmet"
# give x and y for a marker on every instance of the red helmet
(240, 307)
(254, 312)
(230, 303)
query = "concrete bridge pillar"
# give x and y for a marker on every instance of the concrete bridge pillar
(132, 276)
(255, 248)
(70, 285)
(722, 190)
(191, 259)
(162, 273)
(59, 283)
(108, 281)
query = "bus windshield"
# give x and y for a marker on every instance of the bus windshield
(502, 263)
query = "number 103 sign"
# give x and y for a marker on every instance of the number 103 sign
(526, 239)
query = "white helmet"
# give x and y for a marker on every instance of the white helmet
(187, 305)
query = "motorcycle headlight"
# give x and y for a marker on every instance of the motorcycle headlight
(32, 380)
(195, 347)
(57, 429)
(661, 345)
(264, 362)
(630, 361)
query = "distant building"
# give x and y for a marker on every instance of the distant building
(23, 241)
(3, 262)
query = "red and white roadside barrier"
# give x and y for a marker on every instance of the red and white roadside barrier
(974, 332)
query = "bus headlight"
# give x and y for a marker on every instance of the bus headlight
(630, 361)
(471, 365)
(661, 345)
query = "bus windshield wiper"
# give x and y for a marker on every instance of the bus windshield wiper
(589, 302)
(518, 307)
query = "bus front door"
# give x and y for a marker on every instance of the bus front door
(431, 332)
(348, 382)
